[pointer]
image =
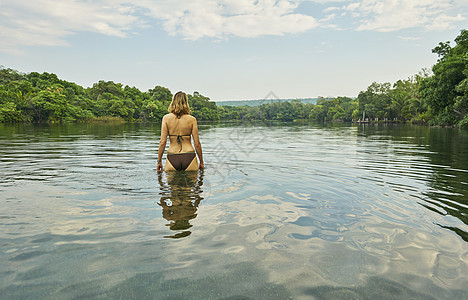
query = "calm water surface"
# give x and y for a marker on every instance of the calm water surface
(282, 211)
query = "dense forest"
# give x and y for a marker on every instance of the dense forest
(271, 97)
(440, 98)
(44, 97)
(437, 98)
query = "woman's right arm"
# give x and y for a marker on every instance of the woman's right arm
(162, 144)
(197, 144)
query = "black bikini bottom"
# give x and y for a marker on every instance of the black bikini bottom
(180, 161)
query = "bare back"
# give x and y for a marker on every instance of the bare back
(179, 131)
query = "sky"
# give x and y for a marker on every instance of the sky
(229, 49)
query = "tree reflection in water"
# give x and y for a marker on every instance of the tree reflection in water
(445, 171)
(180, 196)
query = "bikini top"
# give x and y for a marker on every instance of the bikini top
(179, 136)
(180, 139)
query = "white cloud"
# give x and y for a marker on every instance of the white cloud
(352, 6)
(393, 15)
(409, 38)
(328, 18)
(50, 22)
(442, 22)
(331, 8)
(223, 18)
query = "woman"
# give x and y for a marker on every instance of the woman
(179, 125)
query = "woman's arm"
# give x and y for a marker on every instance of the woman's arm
(162, 144)
(197, 144)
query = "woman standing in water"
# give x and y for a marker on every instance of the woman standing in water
(180, 126)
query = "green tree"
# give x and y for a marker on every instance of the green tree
(49, 106)
(319, 113)
(161, 94)
(105, 87)
(444, 92)
(7, 75)
(202, 107)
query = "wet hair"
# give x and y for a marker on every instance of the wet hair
(179, 105)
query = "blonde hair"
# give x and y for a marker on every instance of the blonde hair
(179, 105)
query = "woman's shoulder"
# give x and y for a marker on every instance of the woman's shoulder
(168, 116)
(188, 117)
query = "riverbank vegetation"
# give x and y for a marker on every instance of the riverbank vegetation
(440, 98)
(44, 97)
(437, 98)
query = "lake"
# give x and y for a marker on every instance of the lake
(282, 211)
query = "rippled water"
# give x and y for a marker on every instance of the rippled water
(281, 211)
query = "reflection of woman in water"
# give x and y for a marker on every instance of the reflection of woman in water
(180, 126)
(180, 198)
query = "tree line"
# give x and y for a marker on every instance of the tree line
(440, 98)
(437, 98)
(39, 98)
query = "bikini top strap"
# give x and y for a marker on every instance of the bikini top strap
(180, 139)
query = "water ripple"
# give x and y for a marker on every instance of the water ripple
(287, 207)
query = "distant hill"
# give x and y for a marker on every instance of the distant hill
(262, 101)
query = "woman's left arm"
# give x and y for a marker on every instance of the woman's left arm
(162, 144)
(197, 144)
